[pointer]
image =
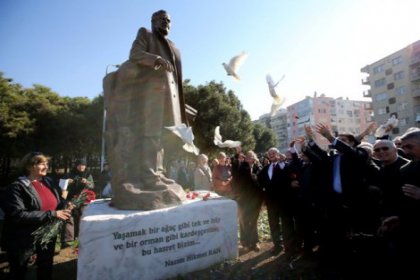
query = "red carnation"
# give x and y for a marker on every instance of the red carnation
(207, 196)
(90, 195)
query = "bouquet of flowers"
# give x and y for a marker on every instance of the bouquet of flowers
(45, 234)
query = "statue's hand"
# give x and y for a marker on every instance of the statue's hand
(161, 62)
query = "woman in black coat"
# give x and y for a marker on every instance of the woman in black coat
(29, 203)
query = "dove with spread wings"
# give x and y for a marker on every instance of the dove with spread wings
(278, 100)
(224, 144)
(234, 65)
(185, 133)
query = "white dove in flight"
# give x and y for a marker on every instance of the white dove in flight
(234, 64)
(224, 144)
(186, 134)
(278, 100)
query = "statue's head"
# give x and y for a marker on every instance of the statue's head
(161, 22)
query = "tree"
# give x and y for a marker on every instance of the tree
(264, 137)
(38, 119)
(15, 123)
(216, 107)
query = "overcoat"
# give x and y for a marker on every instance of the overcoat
(142, 98)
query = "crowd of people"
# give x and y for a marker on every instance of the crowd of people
(355, 205)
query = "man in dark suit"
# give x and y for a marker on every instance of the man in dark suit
(142, 98)
(274, 179)
(408, 216)
(345, 191)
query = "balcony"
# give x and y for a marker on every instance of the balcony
(365, 69)
(366, 81)
(415, 60)
(368, 106)
(415, 92)
(415, 76)
(367, 93)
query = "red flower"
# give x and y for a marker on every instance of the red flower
(90, 195)
(188, 195)
(207, 196)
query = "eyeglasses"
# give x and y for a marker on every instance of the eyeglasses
(376, 150)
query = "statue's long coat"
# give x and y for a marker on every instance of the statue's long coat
(144, 99)
(140, 101)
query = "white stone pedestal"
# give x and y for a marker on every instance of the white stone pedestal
(121, 244)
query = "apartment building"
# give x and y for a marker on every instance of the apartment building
(278, 124)
(394, 83)
(341, 115)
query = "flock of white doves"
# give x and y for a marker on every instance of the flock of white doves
(232, 68)
(185, 132)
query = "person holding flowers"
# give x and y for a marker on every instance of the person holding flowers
(30, 203)
(79, 180)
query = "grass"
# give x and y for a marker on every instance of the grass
(263, 227)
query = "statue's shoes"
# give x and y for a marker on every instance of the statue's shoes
(166, 180)
(158, 185)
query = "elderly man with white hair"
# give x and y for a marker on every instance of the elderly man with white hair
(273, 179)
(202, 174)
(390, 163)
(402, 224)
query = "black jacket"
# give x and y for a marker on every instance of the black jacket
(277, 189)
(21, 205)
(245, 186)
(352, 170)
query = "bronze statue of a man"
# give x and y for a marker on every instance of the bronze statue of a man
(141, 98)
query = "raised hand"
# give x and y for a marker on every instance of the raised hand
(324, 130)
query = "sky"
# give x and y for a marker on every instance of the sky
(319, 45)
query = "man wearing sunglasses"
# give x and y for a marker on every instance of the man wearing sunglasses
(390, 163)
(400, 183)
